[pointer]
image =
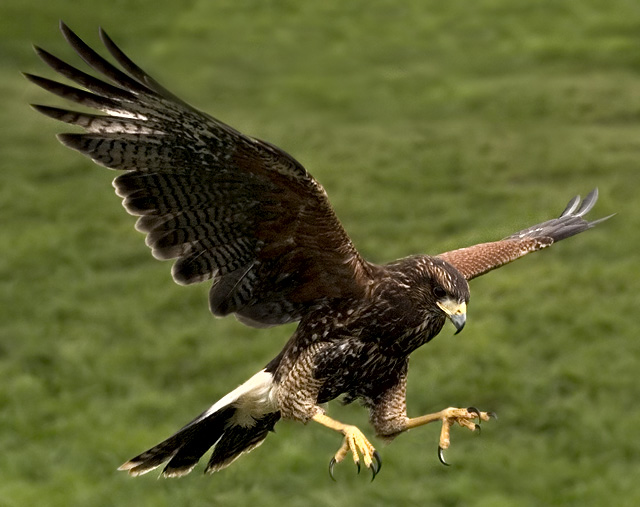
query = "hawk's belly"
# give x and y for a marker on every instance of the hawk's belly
(356, 369)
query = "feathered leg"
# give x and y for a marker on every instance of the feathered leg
(389, 416)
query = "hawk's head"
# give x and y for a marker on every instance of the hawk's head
(448, 290)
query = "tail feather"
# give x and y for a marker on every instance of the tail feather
(197, 441)
(235, 425)
(238, 441)
(192, 441)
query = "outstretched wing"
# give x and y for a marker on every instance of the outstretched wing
(228, 207)
(477, 260)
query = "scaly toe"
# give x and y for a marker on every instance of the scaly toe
(361, 450)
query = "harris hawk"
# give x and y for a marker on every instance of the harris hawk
(247, 216)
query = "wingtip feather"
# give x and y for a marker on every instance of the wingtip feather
(67, 33)
(104, 36)
(572, 205)
(38, 50)
(49, 84)
(600, 220)
(51, 112)
(588, 203)
(69, 140)
(37, 80)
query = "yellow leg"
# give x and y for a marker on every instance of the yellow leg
(463, 416)
(354, 442)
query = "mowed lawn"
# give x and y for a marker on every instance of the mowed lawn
(432, 125)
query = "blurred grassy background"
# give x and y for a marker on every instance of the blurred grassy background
(432, 125)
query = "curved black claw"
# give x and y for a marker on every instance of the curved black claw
(376, 456)
(441, 456)
(493, 415)
(376, 465)
(474, 410)
(478, 428)
(332, 463)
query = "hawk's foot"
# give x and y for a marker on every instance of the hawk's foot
(465, 417)
(356, 443)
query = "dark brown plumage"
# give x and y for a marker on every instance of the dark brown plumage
(244, 214)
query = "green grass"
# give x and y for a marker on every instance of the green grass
(432, 125)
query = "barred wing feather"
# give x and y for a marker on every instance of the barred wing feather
(228, 207)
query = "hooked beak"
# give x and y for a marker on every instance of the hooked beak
(456, 312)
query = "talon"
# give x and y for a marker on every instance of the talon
(477, 428)
(441, 456)
(376, 456)
(492, 415)
(332, 463)
(474, 410)
(376, 465)
(355, 443)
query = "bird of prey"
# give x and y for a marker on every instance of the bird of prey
(246, 215)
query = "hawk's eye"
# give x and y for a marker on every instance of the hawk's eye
(439, 292)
